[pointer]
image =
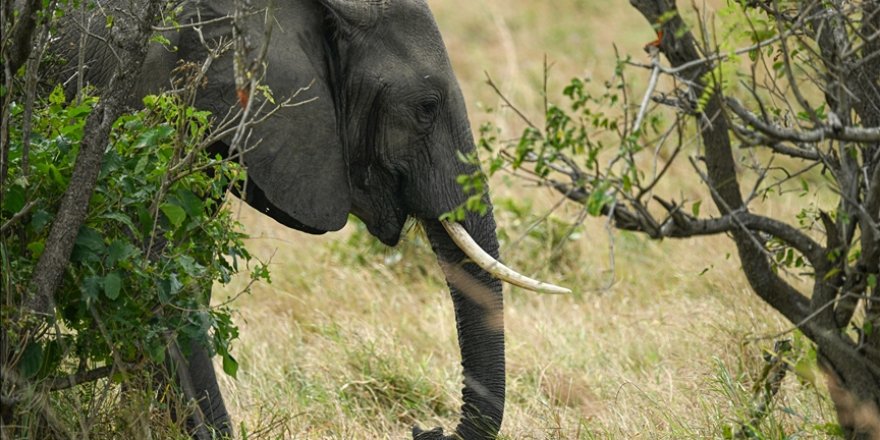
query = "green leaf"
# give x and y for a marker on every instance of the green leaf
(831, 273)
(141, 165)
(121, 218)
(190, 266)
(112, 285)
(154, 136)
(161, 39)
(156, 350)
(190, 202)
(31, 360)
(598, 199)
(57, 95)
(79, 111)
(91, 287)
(168, 288)
(13, 200)
(267, 93)
(230, 365)
(55, 175)
(175, 214)
(112, 163)
(695, 208)
(89, 245)
(36, 248)
(832, 429)
(805, 368)
(39, 219)
(90, 238)
(120, 250)
(145, 220)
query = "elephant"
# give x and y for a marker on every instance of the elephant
(380, 138)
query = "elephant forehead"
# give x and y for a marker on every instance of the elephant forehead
(406, 37)
(404, 62)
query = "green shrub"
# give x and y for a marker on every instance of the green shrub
(155, 240)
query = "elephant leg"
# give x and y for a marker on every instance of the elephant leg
(206, 391)
(196, 380)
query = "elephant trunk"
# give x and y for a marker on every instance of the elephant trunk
(476, 296)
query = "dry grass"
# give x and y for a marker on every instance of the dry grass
(352, 340)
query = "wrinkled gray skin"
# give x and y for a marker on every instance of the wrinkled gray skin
(379, 141)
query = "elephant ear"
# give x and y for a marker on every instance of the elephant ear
(294, 157)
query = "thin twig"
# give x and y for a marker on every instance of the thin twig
(18, 215)
(652, 84)
(508, 103)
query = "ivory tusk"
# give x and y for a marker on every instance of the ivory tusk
(470, 247)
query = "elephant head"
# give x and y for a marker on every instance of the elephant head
(379, 136)
(384, 120)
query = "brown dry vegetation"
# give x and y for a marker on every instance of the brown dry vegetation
(353, 340)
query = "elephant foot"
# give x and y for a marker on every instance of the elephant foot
(217, 424)
(434, 434)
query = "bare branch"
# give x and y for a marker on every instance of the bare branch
(181, 367)
(193, 24)
(825, 132)
(63, 383)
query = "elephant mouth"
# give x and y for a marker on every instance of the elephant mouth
(383, 212)
(387, 228)
(389, 235)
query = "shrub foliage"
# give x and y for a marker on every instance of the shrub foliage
(154, 239)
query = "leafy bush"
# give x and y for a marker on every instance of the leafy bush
(155, 240)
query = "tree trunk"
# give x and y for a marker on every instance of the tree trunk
(854, 385)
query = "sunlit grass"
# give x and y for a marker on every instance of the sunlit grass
(659, 340)
(343, 349)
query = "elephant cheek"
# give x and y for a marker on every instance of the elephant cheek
(383, 216)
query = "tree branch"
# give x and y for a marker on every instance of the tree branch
(685, 226)
(63, 383)
(847, 134)
(679, 46)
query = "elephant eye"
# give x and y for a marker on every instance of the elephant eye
(427, 108)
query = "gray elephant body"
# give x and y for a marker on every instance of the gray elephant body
(379, 138)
